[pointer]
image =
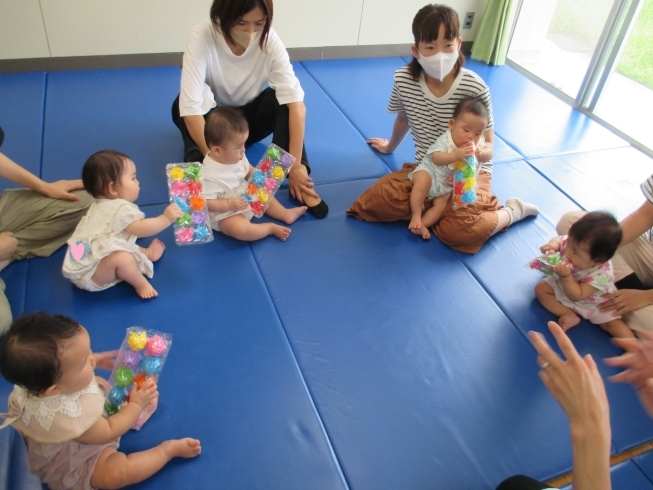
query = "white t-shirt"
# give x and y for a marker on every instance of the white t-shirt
(647, 189)
(428, 115)
(213, 76)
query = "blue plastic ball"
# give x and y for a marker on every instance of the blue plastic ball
(468, 197)
(151, 366)
(258, 177)
(458, 176)
(182, 204)
(201, 232)
(117, 395)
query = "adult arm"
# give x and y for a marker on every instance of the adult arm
(577, 386)
(636, 223)
(486, 153)
(399, 132)
(56, 190)
(195, 126)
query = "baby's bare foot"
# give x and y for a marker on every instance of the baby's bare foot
(155, 250)
(281, 232)
(182, 448)
(415, 223)
(145, 290)
(291, 215)
(568, 320)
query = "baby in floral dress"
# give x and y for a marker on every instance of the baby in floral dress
(585, 278)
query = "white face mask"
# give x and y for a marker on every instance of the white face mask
(438, 65)
(245, 38)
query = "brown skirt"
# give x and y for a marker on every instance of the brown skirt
(463, 229)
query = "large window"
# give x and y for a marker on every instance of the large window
(597, 52)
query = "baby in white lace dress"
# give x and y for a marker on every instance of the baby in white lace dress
(57, 407)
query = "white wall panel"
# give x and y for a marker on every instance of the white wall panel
(103, 27)
(22, 34)
(390, 21)
(316, 23)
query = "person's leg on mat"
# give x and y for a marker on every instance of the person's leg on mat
(191, 151)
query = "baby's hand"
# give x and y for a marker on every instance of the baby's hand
(173, 212)
(145, 394)
(562, 270)
(237, 204)
(546, 248)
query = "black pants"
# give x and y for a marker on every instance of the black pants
(264, 117)
(521, 482)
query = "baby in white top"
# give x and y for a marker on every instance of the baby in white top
(102, 251)
(226, 170)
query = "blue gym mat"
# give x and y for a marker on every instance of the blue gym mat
(626, 476)
(126, 110)
(645, 463)
(22, 96)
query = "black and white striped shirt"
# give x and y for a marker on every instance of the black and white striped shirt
(647, 189)
(428, 115)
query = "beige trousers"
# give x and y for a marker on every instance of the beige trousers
(635, 257)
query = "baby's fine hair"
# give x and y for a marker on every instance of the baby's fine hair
(471, 105)
(601, 231)
(101, 169)
(223, 123)
(29, 350)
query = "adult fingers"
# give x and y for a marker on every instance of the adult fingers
(546, 354)
(565, 344)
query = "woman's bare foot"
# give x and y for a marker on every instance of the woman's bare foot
(281, 232)
(181, 448)
(568, 320)
(291, 215)
(145, 290)
(155, 250)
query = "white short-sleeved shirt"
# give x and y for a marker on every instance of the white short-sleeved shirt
(223, 181)
(428, 115)
(213, 76)
(647, 189)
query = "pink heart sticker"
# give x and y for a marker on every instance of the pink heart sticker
(77, 250)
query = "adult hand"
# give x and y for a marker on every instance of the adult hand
(575, 383)
(624, 301)
(8, 245)
(300, 183)
(105, 360)
(379, 144)
(62, 189)
(637, 362)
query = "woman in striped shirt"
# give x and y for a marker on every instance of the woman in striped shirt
(424, 96)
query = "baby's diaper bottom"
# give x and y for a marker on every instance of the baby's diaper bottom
(596, 317)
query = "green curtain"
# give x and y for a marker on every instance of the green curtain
(491, 43)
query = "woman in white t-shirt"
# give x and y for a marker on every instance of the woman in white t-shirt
(228, 61)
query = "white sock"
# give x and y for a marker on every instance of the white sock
(519, 209)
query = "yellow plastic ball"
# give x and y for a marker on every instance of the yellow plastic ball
(176, 173)
(137, 340)
(262, 195)
(277, 172)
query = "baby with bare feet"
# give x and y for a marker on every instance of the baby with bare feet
(102, 251)
(432, 178)
(57, 406)
(226, 170)
(581, 288)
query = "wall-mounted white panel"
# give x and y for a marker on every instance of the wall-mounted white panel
(103, 27)
(316, 23)
(390, 21)
(22, 34)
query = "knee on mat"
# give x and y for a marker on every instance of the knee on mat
(568, 219)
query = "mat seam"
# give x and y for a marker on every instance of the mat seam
(301, 376)
(45, 95)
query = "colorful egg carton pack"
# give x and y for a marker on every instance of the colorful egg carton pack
(140, 359)
(185, 186)
(266, 179)
(464, 182)
(545, 263)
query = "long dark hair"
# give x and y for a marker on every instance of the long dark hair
(426, 28)
(226, 13)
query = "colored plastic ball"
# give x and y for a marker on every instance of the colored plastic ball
(278, 172)
(468, 197)
(251, 189)
(151, 365)
(181, 203)
(470, 184)
(110, 409)
(197, 203)
(201, 232)
(274, 153)
(469, 172)
(193, 171)
(460, 165)
(265, 165)
(257, 208)
(185, 235)
(258, 177)
(156, 346)
(458, 176)
(117, 395)
(130, 359)
(137, 340)
(176, 173)
(194, 187)
(179, 188)
(199, 218)
(262, 195)
(458, 188)
(286, 160)
(185, 220)
(247, 197)
(270, 184)
(124, 376)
